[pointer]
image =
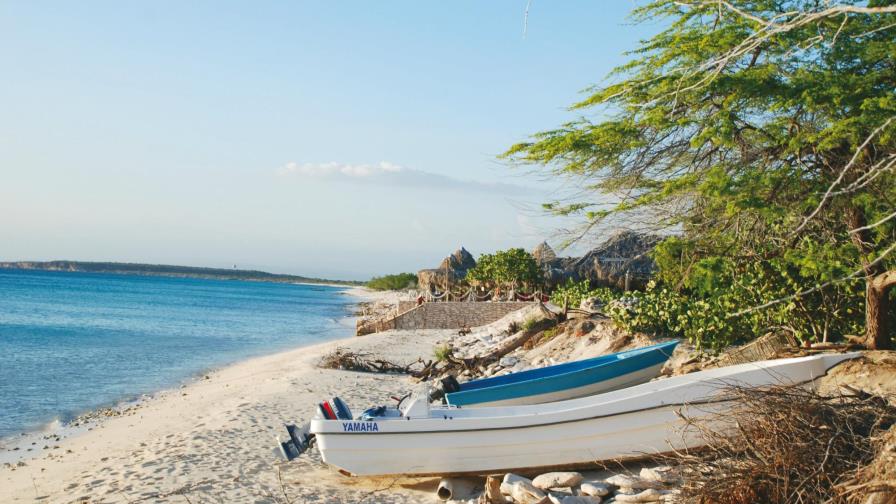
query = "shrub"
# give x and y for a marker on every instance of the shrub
(506, 268)
(574, 293)
(441, 353)
(399, 281)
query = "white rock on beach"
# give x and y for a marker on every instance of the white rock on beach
(661, 474)
(509, 480)
(626, 482)
(524, 493)
(557, 480)
(594, 489)
(508, 361)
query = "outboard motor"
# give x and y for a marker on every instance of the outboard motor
(342, 411)
(450, 384)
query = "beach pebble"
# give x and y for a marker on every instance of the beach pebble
(524, 493)
(508, 361)
(626, 482)
(594, 489)
(649, 495)
(660, 474)
(509, 480)
(557, 480)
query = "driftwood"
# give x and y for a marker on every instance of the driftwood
(365, 362)
(481, 362)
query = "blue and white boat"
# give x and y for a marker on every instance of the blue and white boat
(565, 381)
(652, 418)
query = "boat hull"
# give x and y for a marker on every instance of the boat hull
(567, 445)
(636, 422)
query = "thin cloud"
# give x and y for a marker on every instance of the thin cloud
(386, 173)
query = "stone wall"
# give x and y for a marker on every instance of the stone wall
(455, 314)
(404, 306)
(443, 315)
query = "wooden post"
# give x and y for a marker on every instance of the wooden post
(627, 282)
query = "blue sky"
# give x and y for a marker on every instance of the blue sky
(340, 139)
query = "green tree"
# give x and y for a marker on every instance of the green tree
(511, 268)
(393, 282)
(764, 132)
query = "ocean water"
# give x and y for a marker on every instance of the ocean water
(72, 342)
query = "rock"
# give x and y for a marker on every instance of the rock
(492, 492)
(626, 482)
(591, 304)
(557, 480)
(594, 489)
(525, 493)
(508, 361)
(649, 495)
(581, 499)
(509, 480)
(660, 474)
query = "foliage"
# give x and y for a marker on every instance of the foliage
(573, 293)
(441, 353)
(764, 132)
(703, 314)
(399, 281)
(529, 324)
(511, 268)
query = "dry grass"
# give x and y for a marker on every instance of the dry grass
(788, 445)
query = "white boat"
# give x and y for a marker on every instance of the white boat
(630, 423)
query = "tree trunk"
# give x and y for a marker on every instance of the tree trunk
(877, 311)
(877, 284)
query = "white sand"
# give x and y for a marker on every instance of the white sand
(213, 440)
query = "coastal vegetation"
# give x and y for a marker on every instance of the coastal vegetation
(762, 137)
(399, 281)
(512, 269)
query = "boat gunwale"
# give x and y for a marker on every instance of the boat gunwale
(533, 426)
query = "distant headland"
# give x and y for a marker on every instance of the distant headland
(169, 271)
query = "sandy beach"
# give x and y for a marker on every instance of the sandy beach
(212, 440)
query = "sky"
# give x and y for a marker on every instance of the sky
(331, 139)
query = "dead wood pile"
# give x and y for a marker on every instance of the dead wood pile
(341, 358)
(791, 445)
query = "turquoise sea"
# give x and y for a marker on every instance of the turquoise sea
(72, 342)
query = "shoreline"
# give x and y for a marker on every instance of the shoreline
(30, 442)
(27, 444)
(220, 429)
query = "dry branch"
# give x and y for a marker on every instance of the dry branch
(344, 359)
(787, 445)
